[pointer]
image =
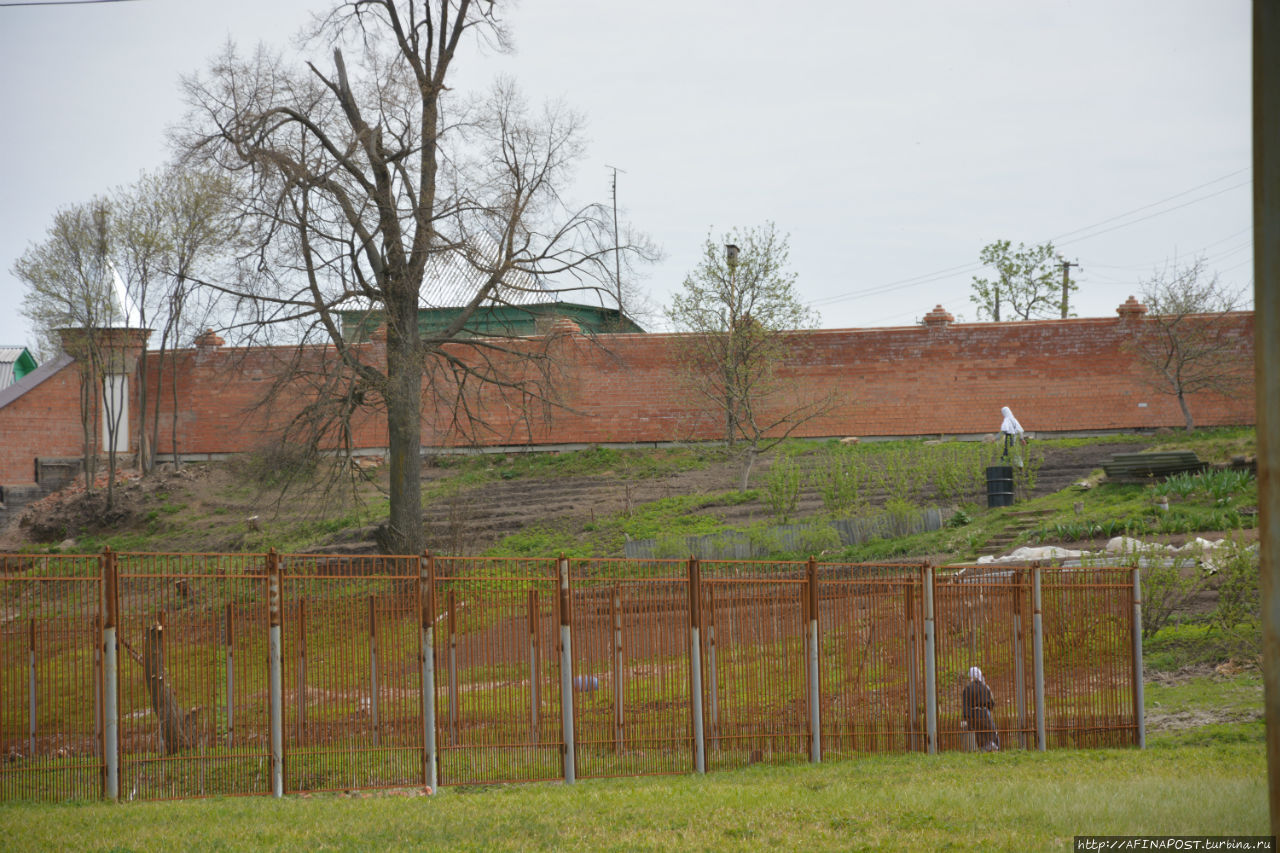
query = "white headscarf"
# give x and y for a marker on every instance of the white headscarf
(1010, 424)
(975, 674)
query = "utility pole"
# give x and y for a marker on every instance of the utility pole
(1066, 283)
(617, 254)
(1266, 342)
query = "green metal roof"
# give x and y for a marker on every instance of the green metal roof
(506, 321)
(15, 363)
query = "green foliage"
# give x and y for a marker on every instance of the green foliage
(1026, 284)
(1168, 585)
(782, 488)
(838, 477)
(1239, 612)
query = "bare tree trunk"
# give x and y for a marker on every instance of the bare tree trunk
(176, 728)
(748, 462)
(1186, 412)
(404, 427)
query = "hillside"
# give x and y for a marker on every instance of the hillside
(587, 501)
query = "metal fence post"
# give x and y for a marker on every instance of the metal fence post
(1139, 712)
(714, 692)
(373, 669)
(566, 674)
(427, 662)
(1019, 665)
(231, 681)
(110, 675)
(930, 665)
(618, 687)
(453, 669)
(695, 665)
(535, 702)
(276, 654)
(913, 669)
(31, 687)
(301, 642)
(815, 691)
(1037, 651)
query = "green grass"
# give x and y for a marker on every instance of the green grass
(1007, 801)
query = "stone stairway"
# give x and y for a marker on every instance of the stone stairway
(1022, 521)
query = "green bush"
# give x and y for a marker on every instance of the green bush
(1239, 612)
(782, 488)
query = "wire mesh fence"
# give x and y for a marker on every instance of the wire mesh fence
(266, 673)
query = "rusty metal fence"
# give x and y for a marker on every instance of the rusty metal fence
(153, 676)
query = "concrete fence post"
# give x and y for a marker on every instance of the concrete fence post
(275, 654)
(427, 663)
(566, 674)
(695, 665)
(1037, 651)
(815, 671)
(1139, 713)
(930, 664)
(110, 675)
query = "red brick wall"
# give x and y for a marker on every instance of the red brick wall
(1056, 375)
(45, 421)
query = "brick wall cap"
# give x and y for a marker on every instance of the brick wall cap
(938, 317)
(1131, 308)
(209, 338)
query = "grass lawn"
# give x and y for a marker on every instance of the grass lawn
(1004, 801)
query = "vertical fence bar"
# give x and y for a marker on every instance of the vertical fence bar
(1139, 712)
(535, 703)
(1037, 651)
(930, 664)
(31, 687)
(913, 663)
(302, 669)
(276, 654)
(453, 669)
(373, 669)
(618, 687)
(231, 681)
(815, 692)
(695, 665)
(427, 662)
(1019, 665)
(714, 692)
(566, 674)
(97, 681)
(110, 676)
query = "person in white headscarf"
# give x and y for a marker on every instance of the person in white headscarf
(976, 703)
(1011, 429)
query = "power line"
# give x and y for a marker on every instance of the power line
(61, 2)
(1158, 203)
(929, 278)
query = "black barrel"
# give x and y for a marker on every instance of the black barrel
(1000, 485)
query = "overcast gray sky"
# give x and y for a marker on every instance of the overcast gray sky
(892, 140)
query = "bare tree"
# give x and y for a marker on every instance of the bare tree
(166, 228)
(71, 298)
(360, 173)
(1025, 282)
(737, 307)
(1187, 342)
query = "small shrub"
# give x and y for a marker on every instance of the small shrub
(1239, 612)
(782, 488)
